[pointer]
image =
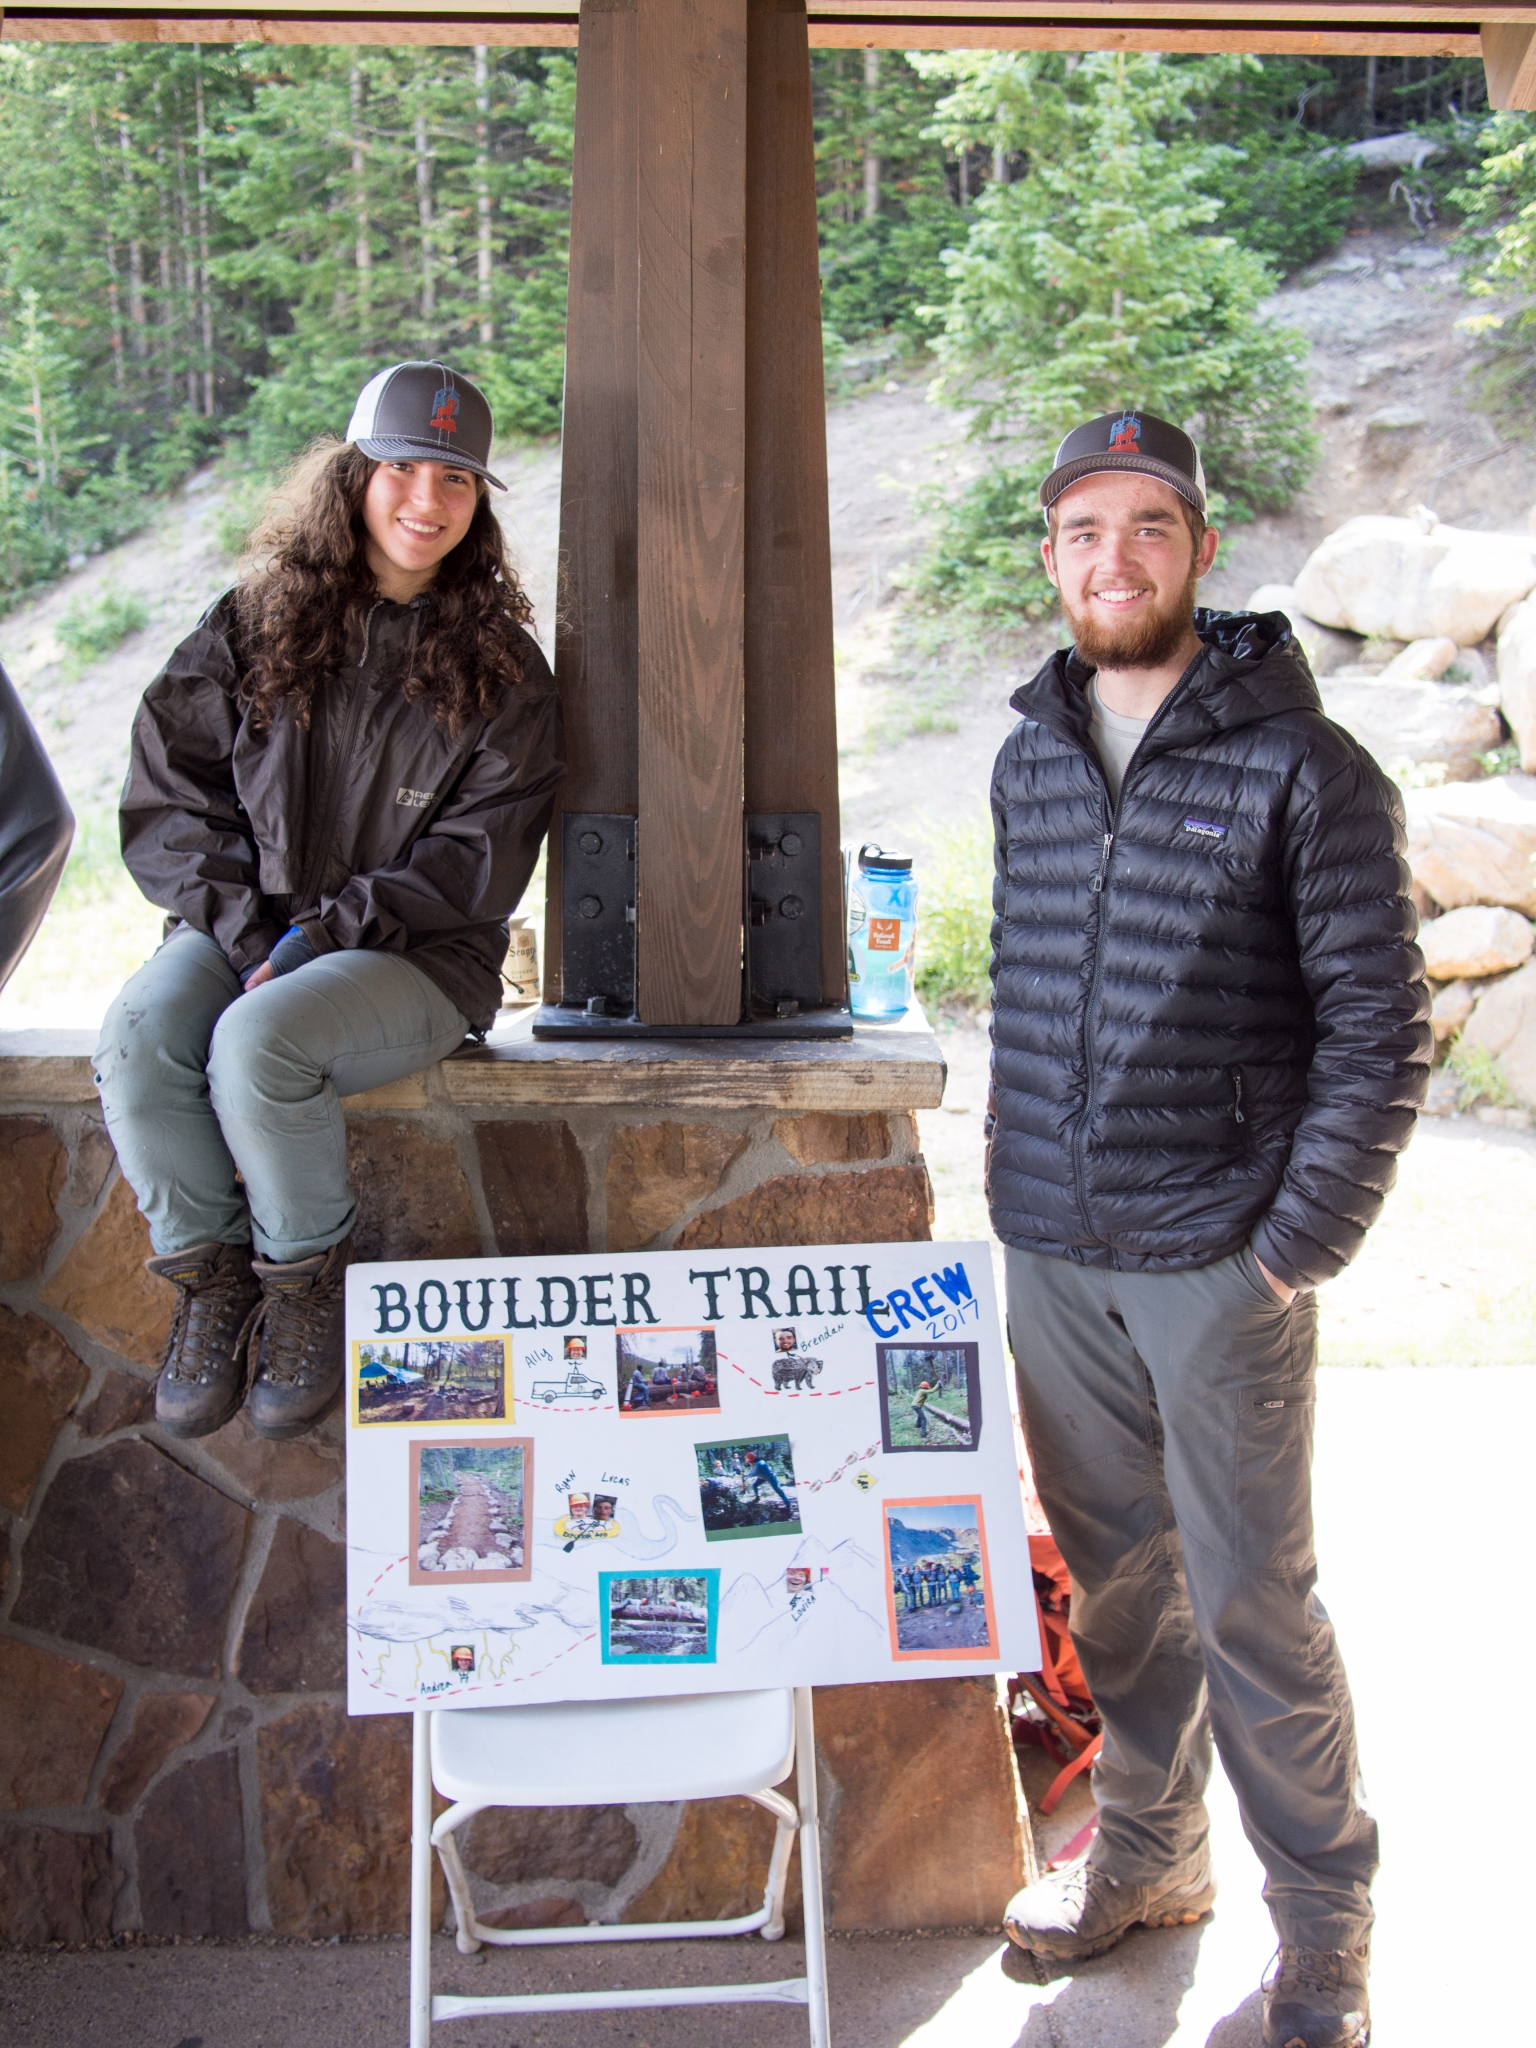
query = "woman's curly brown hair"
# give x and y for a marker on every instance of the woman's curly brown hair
(308, 585)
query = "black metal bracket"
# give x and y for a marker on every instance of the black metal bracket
(782, 902)
(783, 912)
(597, 913)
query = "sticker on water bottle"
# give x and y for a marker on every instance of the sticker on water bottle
(884, 935)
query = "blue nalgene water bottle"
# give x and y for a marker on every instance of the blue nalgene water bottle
(882, 933)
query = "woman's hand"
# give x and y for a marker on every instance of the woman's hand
(264, 972)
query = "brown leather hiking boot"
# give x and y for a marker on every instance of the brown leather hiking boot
(1318, 1998)
(202, 1369)
(298, 1340)
(1079, 1911)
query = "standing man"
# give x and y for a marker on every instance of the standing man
(1210, 1042)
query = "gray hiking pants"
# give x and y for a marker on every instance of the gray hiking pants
(1169, 1420)
(201, 1082)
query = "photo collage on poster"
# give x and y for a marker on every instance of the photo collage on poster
(678, 1494)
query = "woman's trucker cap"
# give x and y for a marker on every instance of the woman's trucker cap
(1128, 440)
(424, 412)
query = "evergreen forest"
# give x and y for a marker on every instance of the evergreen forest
(205, 250)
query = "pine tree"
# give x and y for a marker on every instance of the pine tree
(1094, 281)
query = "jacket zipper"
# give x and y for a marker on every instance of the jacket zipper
(1096, 890)
(1237, 1098)
(315, 866)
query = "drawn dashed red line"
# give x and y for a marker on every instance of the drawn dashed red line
(522, 1679)
(799, 1393)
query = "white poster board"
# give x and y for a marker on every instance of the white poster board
(679, 1472)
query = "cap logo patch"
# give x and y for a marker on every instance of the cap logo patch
(1203, 830)
(1125, 432)
(445, 415)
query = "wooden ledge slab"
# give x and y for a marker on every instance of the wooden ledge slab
(882, 1067)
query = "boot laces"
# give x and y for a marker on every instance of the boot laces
(1308, 1969)
(291, 1331)
(205, 1326)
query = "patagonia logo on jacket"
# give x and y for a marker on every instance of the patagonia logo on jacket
(1199, 827)
(415, 799)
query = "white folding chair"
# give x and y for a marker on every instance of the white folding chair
(616, 1753)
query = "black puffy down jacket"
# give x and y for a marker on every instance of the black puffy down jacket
(1209, 1021)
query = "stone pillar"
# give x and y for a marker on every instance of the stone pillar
(175, 1753)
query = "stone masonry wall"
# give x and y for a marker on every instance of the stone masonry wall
(175, 1754)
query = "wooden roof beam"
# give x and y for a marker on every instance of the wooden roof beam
(1509, 63)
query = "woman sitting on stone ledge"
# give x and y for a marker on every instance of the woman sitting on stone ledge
(338, 788)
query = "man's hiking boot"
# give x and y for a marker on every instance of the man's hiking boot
(298, 1342)
(1318, 1998)
(202, 1370)
(1079, 1911)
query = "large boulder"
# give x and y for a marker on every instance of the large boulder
(1475, 941)
(1517, 676)
(1421, 661)
(1325, 650)
(1475, 842)
(1451, 1008)
(1504, 1023)
(1408, 724)
(1408, 579)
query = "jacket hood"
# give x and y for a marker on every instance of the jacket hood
(1250, 667)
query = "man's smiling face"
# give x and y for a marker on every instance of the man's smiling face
(1123, 557)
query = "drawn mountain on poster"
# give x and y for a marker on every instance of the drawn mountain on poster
(755, 1614)
(838, 1556)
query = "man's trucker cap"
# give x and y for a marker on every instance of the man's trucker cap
(424, 412)
(1128, 440)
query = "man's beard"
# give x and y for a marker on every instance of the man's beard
(1148, 642)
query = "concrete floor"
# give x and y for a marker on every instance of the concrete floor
(1424, 1534)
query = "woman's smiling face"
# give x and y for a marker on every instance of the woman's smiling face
(416, 513)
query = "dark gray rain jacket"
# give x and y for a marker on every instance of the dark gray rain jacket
(373, 828)
(1209, 1022)
(36, 827)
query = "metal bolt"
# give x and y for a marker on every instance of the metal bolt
(591, 842)
(791, 844)
(791, 906)
(590, 906)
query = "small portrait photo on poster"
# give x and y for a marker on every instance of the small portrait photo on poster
(430, 1379)
(930, 1396)
(469, 1510)
(938, 1585)
(667, 1372)
(792, 1367)
(747, 1488)
(574, 1381)
(660, 1618)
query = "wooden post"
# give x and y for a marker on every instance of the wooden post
(1509, 64)
(692, 322)
(791, 708)
(596, 626)
(694, 643)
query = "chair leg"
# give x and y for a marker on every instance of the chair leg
(469, 1943)
(810, 1870)
(421, 1881)
(788, 1820)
